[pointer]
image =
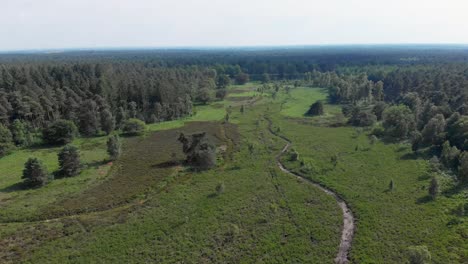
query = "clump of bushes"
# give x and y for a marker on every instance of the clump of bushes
(315, 109)
(133, 127)
(199, 150)
(60, 132)
(6, 141)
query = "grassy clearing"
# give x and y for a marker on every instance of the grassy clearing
(263, 215)
(299, 100)
(388, 221)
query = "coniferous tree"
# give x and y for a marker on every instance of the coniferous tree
(34, 173)
(114, 147)
(6, 141)
(107, 121)
(69, 161)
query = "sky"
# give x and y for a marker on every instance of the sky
(63, 24)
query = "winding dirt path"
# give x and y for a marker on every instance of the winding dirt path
(348, 218)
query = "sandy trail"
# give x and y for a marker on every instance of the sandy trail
(348, 218)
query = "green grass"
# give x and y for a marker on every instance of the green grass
(263, 216)
(388, 222)
(170, 214)
(300, 99)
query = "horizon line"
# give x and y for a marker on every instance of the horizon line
(221, 47)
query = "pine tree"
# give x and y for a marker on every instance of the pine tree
(434, 188)
(35, 173)
(114, 147)
(69, 161)
(107, 121)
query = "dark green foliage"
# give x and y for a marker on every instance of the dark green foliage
(6, 141)
(204, 96)
(60, 132)
(378, 110)
(461, 210)
(21, 135)
(35, 173)
(391, 186)
(221, 93)
(463, 167)
(398, 121)
(265, 78)
(416, 140)
(434, 131)
(363, 119)
(449, 155)
(315, 109)
(89, 124)
(419, 255)
(199, 150)
(242, 109)
(434, 188)
(223, 81)
(69, 161)
(242, 78)
(458, 131)
(114, 147)
(220, 188)
(133, 127)
(107, 121)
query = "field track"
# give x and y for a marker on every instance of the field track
(348, 218)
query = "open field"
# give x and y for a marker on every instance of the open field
(388, 222)
(263, 216)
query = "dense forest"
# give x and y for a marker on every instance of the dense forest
(420, 93)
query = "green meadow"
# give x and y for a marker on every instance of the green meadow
(140, 209)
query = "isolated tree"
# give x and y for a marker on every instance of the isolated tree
(107, 121)
(199, 150)
(6, 141)
(220, 188)
(334, 160)
(463, 167)
(391, 186)
(315, 109)
(242, 109)
(419, 255)
(69, 161)
(133, 127)
(114, 147)
(294, 155)
(434, 188)
(34, 173)
(60, 132)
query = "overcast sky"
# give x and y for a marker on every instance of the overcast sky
(55, 24)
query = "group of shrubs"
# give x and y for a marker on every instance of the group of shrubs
(62, 132)
(35, 173)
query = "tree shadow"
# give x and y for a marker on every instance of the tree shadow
(424, 199)
(19, 186)
(166, 164)
(212, 195)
